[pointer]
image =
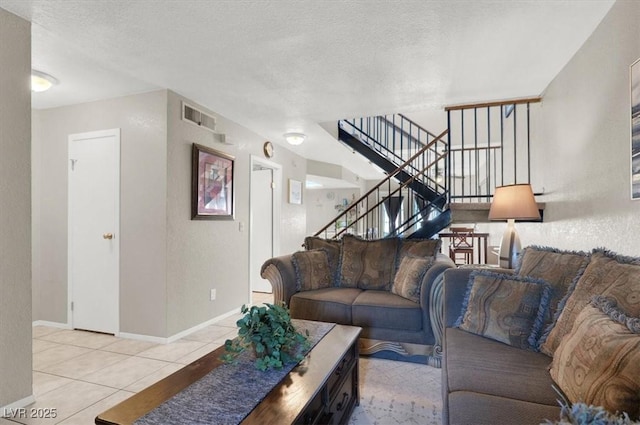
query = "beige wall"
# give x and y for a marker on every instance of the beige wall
(582, 153)
(321, 206)
(15, 212)
(142, 120)
(168, 262)
(207, 254)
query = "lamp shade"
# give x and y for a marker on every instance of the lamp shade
(294, 138)
(515, 201)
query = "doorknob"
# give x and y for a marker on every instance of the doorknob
(107, 236)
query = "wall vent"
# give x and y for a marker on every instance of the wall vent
(197, 117)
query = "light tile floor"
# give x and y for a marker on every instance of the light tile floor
(81, 374)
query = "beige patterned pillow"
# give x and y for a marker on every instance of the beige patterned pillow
(418, 248)
(559, 268)
(368, 264)
(505, 308)
(409, 277)
(607, 274)
(312, 270)
(598, 363)
(332, 248)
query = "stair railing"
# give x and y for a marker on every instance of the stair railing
(365, 215)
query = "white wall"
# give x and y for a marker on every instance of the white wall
(582, 153)
(15, 211)
(142, 119)
(321, 206)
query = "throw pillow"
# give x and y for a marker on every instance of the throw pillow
(607, 274)
(598, 363)
(332, 248)
(506, 308)
(561, 269)
(312, 270)
(418, 248)
(409, 276)
(368, 264)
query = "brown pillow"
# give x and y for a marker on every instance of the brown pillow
(418, 248)
(368, 264)
(505, 308)
(607, 274)
(561, 269)
(312, 270)
(598, 363)
(409, 276)
(332, 248)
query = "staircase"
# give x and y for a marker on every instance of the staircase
(432, 180)
(411, 201)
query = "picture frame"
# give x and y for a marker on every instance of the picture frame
(212, 186)
(634, 72)
(295, 192)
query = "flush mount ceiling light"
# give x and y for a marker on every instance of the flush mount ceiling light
(294, 138)
(41, 81)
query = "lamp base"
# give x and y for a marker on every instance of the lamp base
(509, 247)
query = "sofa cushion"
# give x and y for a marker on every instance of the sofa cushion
(382, 309)
(332, 247)
(506, 308)
(408, 279)
(607, 274)
(482, 365)
(598, 363)
(324, 305)
(481, 409)
(367, 264)
(559, 268)
(417, 248)
(312, 270)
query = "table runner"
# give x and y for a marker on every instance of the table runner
(227, 394)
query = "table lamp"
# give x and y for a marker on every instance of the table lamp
(511, 203)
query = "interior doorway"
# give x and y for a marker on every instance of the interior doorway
(264, 226)
(94, 231)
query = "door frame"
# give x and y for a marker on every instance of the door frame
(115, 132)
(276, 207)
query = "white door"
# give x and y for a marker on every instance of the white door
(94, 230)
(261, 225)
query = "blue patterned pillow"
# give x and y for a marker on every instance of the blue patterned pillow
(505, 308)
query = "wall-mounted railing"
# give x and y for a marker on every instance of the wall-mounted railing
(490, 145)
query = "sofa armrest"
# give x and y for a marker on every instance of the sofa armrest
(431, 304)
(455, 288)
(279, 271)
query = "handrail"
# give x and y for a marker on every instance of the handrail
(495, 103)
(398, 189)
(389, 177)
(417, 125)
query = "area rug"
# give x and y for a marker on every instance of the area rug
(393, 392)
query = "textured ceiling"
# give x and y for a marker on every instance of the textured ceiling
(278, 66)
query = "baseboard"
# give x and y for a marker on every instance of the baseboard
(179, 335)
(13, 410)
(51, 324)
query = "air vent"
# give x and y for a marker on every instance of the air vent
(197, 117)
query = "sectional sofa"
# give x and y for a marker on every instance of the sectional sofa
(562, 326)
(390, 287)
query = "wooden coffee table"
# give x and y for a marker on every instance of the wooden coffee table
(322, 390)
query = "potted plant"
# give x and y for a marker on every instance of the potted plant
(269, 331)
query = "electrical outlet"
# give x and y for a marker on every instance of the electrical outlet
(213, 295)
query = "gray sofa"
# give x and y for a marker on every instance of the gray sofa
(582, 338)
(488, 382)
(393, 326)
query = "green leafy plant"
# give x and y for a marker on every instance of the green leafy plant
(269, 331)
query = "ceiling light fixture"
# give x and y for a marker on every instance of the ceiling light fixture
(41, 81)
(294, 138)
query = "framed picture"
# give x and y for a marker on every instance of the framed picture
(295, 192)
(212, 195)
(635, 130)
